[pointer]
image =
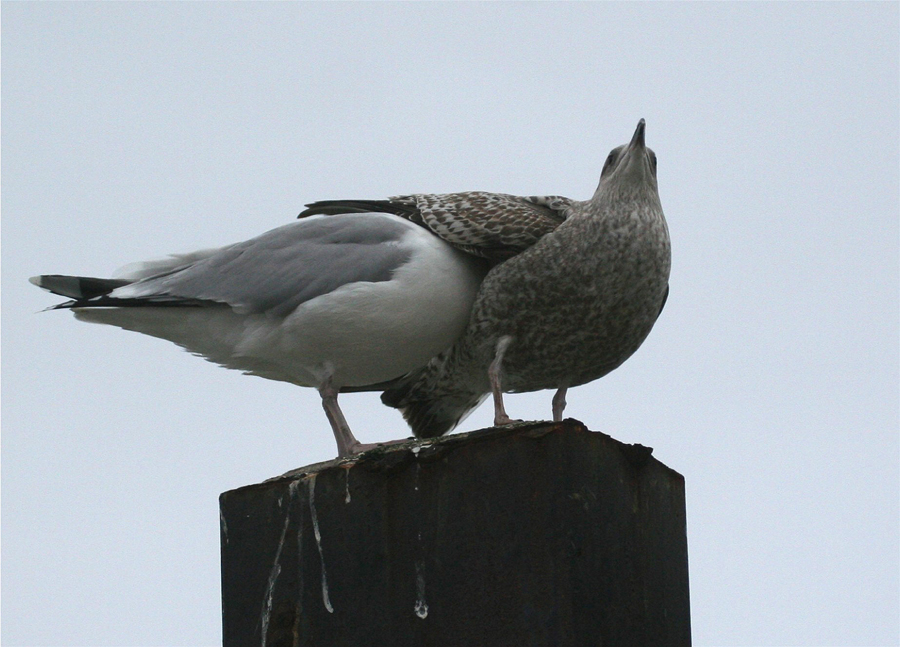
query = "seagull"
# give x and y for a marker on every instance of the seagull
(437, 300)
(348, 302)
(573, 291)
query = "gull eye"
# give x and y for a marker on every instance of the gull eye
(653, 162)
(609, 162)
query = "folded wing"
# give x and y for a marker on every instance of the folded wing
(495, 226)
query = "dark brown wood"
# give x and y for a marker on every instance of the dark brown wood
(539, 534)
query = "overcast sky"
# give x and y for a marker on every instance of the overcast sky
(130, 131)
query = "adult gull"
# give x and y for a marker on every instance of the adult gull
(338, 303)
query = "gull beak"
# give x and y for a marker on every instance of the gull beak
(637, 140)
(637, 160)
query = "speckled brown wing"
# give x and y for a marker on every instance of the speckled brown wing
(495, 226)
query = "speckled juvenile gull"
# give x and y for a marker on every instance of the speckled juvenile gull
(337, 303)
(566, 310)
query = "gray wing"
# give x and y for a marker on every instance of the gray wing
(279, 270)
(496, 226)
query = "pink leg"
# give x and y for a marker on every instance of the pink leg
(346, 441)
(559, 404)
(494, 371)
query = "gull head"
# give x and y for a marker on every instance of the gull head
(630, 167)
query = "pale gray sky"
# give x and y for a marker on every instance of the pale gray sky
(771, 381)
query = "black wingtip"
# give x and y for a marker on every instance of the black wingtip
(335, 207)
(76, 287)
(332, 208)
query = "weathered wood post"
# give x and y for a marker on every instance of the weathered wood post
(540, 534)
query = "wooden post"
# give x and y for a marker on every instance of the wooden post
(541, 534)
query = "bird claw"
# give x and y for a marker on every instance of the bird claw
(357, 447)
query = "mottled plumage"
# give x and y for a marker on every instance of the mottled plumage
(495, 226)
(565, 311)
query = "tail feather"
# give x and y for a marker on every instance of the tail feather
(91, 292)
